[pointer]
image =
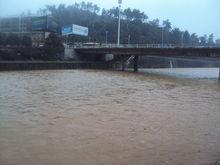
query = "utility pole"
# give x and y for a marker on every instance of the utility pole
(0, 25)
(119, 20)
(92, 37)
(162, 38)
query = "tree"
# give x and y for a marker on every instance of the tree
(211, 40)
(2, 39)
(134, 23)
(53, 48)
(176, 36)
(26, 41)
(167, 25)
(13, 40)
(217, 42)
(138, 15)
(203, 40)
(113, 12)
(186, 38)
(128, 14)
(155, 22)
(194, 40)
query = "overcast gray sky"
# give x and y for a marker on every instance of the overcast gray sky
(200, 16)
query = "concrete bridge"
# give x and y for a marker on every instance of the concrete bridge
(121, 53)
(172, 52)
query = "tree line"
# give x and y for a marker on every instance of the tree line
(136, 28)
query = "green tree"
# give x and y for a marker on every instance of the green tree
(13, 40)
(3, 38)
(211, 40)
(128, 14)
(203, 40)
(154, 22)
(176, 36)
(54, 49)
(26, 41)
(194, 40)
(217, 42)
(134, 23)
(167, 25)
(186, 38)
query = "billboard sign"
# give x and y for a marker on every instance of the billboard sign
(66, 30)
(44, 23)
(39, 23)
(75, 29)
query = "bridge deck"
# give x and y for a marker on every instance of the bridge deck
(174, 52)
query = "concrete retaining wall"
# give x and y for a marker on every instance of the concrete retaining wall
(35, 65)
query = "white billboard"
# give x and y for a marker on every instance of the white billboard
(75, 29)
(80, 30)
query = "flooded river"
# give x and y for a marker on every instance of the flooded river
(193, 73)
(85, 117)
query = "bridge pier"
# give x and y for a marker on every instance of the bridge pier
(122, 63)
(219, 74)
(136, 63)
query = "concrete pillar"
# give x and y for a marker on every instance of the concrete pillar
(122, 63)
(219, 75)
(136, 63)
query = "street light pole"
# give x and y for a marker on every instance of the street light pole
(119, 20)
(106, 37)
(162, 36)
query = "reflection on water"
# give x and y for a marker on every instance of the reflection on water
(198, 73)
(103, 117)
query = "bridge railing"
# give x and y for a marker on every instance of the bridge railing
(141, 46)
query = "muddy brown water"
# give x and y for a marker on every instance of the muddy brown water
(90, 117)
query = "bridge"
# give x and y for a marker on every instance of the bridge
(121, 53)
(173, 52)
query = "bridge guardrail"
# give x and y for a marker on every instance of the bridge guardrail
(141, 46)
